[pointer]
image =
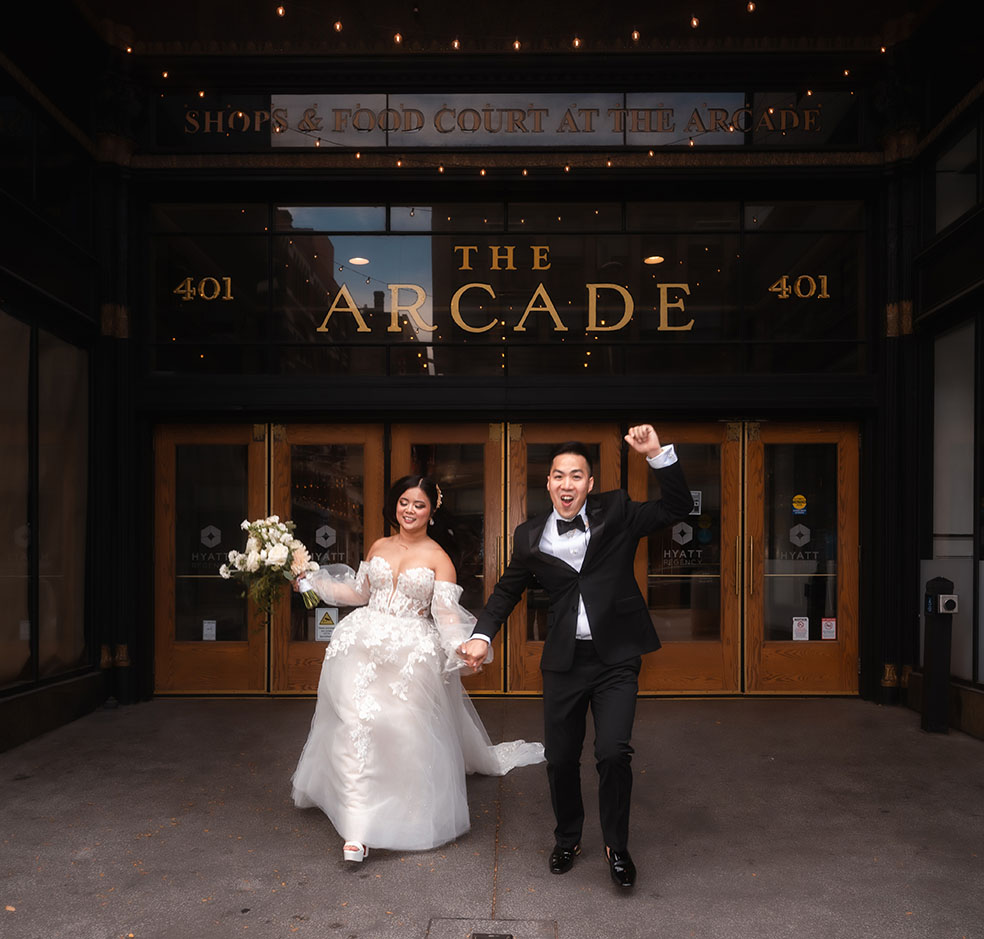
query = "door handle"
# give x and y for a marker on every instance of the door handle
(751, 565)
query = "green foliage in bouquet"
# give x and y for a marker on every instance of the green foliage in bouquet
(272, 556)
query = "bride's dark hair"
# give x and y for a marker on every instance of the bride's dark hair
(441, 530)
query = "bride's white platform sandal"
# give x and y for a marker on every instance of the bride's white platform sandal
(355, 851)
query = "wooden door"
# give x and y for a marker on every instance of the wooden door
(801, 557)
(208, 638)
(466, 462)
(328, 479)
(529, 447)
(690, 573)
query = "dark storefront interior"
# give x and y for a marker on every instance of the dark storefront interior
(264, 260)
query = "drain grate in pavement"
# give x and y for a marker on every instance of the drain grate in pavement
(492, 929)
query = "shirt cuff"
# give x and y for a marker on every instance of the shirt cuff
(666, 457)
(479, 636)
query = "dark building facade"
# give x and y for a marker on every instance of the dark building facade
(262, 260)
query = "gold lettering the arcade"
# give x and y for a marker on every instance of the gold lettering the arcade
(406, 301)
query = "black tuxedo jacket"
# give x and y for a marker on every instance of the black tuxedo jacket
(617, 612)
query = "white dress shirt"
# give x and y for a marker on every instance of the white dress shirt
(572, 545)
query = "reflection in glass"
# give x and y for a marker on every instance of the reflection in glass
(560, 216)
(538, 503)
(63, 486)
(15, 625)
(804, 216)
(327, 504)
(800, 550)
(330, 218)
(210, 504)
(459, 469)
(956, 180)
(185, 218)
(682, 216)
(684, 562)
(451, 216)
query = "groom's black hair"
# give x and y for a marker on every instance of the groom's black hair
(576, 447)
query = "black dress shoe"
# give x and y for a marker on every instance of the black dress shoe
(623, 870)
(562, 859)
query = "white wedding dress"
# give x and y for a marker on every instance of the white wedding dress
(393, 732)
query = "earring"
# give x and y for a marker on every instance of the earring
(431, 522)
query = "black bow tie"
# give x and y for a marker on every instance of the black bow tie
(564, 527)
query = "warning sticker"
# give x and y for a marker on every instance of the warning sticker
(325, 618)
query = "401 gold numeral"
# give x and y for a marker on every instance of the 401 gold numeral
(803, 287)
(208, 288)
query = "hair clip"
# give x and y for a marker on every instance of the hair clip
(440, 497)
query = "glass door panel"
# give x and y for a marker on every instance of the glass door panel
(801, 550)
(529, 462)
(688, 572)
(466, 462)
(328, 480)
(208, 637)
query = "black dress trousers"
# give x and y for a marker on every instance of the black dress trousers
(610, 691)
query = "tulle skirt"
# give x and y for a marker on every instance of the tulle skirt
(393, 736)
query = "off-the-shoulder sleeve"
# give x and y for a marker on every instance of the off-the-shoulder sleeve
(454, 623)
(339, 585)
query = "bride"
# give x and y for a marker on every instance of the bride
(393, 732)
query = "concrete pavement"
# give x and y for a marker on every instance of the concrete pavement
(751, 818)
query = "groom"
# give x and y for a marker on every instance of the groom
(582, 554)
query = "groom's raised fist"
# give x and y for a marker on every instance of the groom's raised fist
(643, 439)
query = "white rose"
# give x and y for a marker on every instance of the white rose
(224, 572)
(252, 545)
(244, 525)
(253, 562)
(273, 519)
(277, 555)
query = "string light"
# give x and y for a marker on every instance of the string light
(635, 35)
(455, 44)
(440, 169)
(567, 168)
(201, 94)
(397, 38)
(517, 45)
(694, 22)
(358, 154)
(129, 50)
(481, 172)
(847, 72)
(338, 26)
(883, 49)
(163, 74)
(524, 172)
(750, 6)
(281, 11)
(577, 43)
(399, 163)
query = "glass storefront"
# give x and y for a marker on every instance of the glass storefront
(479, 289)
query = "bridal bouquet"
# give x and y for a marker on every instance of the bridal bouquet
(272, 554)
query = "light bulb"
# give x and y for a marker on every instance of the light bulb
(694, 22)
